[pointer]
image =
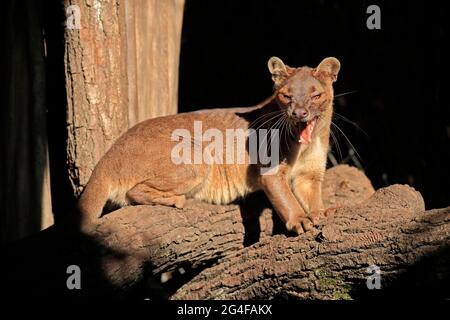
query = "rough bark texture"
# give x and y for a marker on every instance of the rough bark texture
(95, 85)
(121, 68)
(390, 230)
(235, 247)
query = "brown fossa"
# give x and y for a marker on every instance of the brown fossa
(139, 167)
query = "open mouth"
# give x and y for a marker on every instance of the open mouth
(306, 133)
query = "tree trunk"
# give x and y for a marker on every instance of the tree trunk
(121, 68)
(130, 246)
(153, 30)
(95, 85)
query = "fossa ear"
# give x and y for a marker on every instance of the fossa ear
(328, 69)
(278, 70)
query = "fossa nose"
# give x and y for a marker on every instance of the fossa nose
(301, 113)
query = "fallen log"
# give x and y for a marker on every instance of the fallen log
(133, 244)
(390, 233)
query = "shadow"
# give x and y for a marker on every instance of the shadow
(183, 275)
(37, 267)
(23, 131)
(63, 198)
(427, 279)
(33, 117)
(251, 209)
(410, 44)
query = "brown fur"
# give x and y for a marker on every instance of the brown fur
(138, 168)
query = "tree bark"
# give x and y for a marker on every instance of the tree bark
(95, 85)
(390, 231)
(131, 245)
(121, 68)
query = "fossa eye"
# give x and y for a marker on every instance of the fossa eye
(286, 97)
(316, 96)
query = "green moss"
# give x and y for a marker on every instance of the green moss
(342, 292)
(339, 290)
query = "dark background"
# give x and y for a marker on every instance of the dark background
(398, 73)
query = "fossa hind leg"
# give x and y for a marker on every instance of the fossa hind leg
(168, 189)
(145, 193)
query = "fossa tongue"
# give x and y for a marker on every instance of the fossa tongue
(306, 134)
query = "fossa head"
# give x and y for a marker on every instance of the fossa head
(304, 93)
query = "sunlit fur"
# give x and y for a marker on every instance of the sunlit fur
(138, 168)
